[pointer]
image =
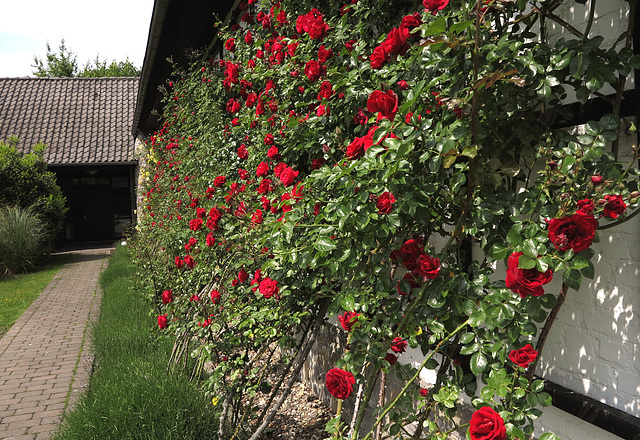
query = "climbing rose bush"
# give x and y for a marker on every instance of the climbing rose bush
(388, 166)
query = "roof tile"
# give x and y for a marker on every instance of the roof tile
(81, 120)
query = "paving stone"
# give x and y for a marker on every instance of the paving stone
(44, 373)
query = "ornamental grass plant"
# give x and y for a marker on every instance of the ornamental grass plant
(131, 394)
(23, 239)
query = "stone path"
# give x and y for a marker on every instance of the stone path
(45, 361)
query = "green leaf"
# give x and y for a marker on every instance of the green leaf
(579, 65)
(438, 26)
(609, 122)
(549, 436)
(478, 363)
(477, 318)
(498, 251)
(579, 262)
(460, 26)
(514, 237)
(526, 262)
(572, 278)
(325, 244)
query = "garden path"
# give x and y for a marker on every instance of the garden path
(45, 359)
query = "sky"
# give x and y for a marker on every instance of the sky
(114, 30)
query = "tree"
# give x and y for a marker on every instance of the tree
(64, 65)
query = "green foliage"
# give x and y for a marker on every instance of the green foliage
(132, 395)
(23, 239)
(406, 215)
(27, 183)
(64, 65)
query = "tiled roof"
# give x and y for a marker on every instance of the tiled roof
(80, 120)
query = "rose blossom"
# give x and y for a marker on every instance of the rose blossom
(424, 392)
(287, 176)
(586, 206)
(385, 202)
(379, 57)
(409, 253)
(395, 43)
(386, 103)
(486, 424)
(215, 296)
(167, 296)
(324, 54)
(189, 261)
(242, 152)
(398, 345)
(339, 383)
(314, 70)
(348, 320)
(525, 281)
(268, 288)
(596, 179)
(614, 207)
(356, 148)
(163, 322)
(574, 232)
(427, 267)
(435, 5)
(391, 358)
(523, 356)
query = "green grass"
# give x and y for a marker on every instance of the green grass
(17, 292)
(131, 394)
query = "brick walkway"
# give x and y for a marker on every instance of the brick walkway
(44, 358)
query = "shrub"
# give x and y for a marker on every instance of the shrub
(23, 239)
(26, 182)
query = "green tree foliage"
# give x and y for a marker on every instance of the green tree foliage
(26, 182)
(64, 64)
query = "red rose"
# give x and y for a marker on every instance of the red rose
(523, 356)
(324, 54)
(242, 152)
(162, 322)
(257, 217)
(211, 240)
(435, 5)
(326, 90)
(189, 261)
(268, 288)
(251, 99)
(348, 320)
(614, 207)
(574, 232)
(424, 392)
(386, 103)
(385, 202)
(360, 118)
(427, 267)
(268, 139)
(233, 106)
(379, 57)
(395, 43)
(409, 23)
(273, 153)
(525, 281)
(486, 424)
(179, 262)
(262, 170)
(287, 176)
(230, 45)
(340, 383)
(403, 85)
(167, 297)
(409, 253)
(312, 23)
(356, 148)
(398, 345)
(219, 181)
(243, 275)
(391, 358)
(195, 224)
(215, 296)
(596, 179)
(314, 70)
(586, 206)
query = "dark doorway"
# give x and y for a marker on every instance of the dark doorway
(94, 209)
